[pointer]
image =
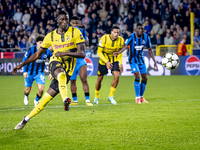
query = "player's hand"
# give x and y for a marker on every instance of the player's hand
(121, 68)
(58, 54)
(155, 66)
(116, 53)
(86, 43)
(16, 68)
(25, 74)
(109, 65)
(50, 77)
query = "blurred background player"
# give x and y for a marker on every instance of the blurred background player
(182, 50)
(81, 68)
(68, 44)
(35, 71)
(137, 41)
(108, 44)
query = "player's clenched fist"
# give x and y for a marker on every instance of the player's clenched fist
(16, 68)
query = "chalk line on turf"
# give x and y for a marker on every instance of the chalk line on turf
(61, 106)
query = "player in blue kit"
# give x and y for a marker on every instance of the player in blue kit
(81, 68)
(35, 71)
(137, 41)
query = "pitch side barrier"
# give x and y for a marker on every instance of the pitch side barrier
(189, 65)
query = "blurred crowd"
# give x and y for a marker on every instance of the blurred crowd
(166, 21)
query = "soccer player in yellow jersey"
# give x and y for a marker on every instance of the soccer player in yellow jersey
(108, 44)
(67, 44)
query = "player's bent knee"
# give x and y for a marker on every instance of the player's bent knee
(137, 75)
(41, 90)
(100, 78)
(73, 82)
(61, 75)
(27, 90)
(144, 79)
(83, 80)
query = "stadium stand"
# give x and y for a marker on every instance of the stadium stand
(22, 20)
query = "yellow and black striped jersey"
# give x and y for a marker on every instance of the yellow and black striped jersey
(106, 48)
(66, 42)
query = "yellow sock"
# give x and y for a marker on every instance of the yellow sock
(112, 91)
(97, 94)
(40, 106)
(62, 80)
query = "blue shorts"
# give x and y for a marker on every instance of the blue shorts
(79, 64)
(136, 67)
(39, 78)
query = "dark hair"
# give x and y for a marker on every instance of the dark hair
(115, 27)
(39, 38)
(139, 24)
(74, 18)
(63, 12)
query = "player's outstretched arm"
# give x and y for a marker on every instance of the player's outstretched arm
(79, 54)
(123, 49)
(152, 56)
(30, 59)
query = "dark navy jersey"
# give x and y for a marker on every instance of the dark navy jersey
(136, 47)
(37, 66)
(84, 33)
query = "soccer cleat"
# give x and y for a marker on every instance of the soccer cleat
(21, 124)
(142, 100)
(35, 103)
(137, 101)
(26, 101)
(111, 99)
(67, 102)
(89, 104)
(74, 104)
(96, 101)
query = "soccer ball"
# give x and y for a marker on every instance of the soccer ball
(170, 61)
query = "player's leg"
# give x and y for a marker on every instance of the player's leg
(73, 91)
(83, 77)
(102, 70)
(97, 89)
(63, 79)
(135, 70)
(116, 73)
(42, 103)
(40, 80)
(143, 84)
(73, 86)
(60, 79)
(27, 90)
(137, 87)
(28, 85)
(39, 93)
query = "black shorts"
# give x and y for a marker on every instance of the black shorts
(54, 84)
(102, 69)
(52, 67)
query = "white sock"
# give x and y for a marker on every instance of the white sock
(87, 101)
(137, 97)
(27, 118)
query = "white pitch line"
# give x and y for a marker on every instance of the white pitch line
(49, 107)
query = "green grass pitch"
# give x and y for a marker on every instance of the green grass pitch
(171, 119)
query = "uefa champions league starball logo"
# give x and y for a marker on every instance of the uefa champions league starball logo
(90, 66)
(192, 65)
